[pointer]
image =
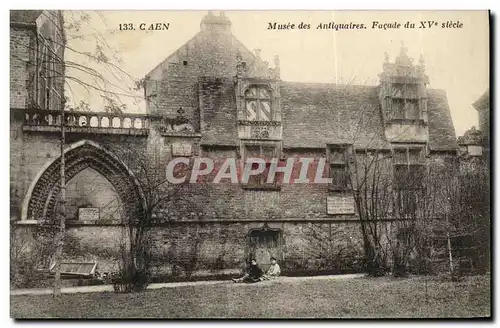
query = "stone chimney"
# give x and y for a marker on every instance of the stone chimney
(215, 23)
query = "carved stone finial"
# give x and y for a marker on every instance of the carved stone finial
(403, 59)
(421, 60)
(240, 65)
(404, 50)
(276, 71)
(257, 52)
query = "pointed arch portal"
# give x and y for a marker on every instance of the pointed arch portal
(40, 200)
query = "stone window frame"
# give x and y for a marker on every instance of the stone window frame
(406, 194)
(406, 94)
(258, 99)
(262, 182)
(338, 165)
(46, 94)
(403, 113)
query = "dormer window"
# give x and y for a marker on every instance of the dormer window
(403, 89)
(405, 104)
(258, 104)
(405, 109)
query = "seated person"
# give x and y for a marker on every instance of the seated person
(273, 271)
(254, 273)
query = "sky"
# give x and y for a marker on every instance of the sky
(457, 59)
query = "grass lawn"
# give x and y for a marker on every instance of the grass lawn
(302, 298)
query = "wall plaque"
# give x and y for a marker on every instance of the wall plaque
(340, 205)
(88, 213)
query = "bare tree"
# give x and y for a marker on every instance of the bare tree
(332, 248)
(159, 195)
(83, 61)
(462, 233)
(70, 53)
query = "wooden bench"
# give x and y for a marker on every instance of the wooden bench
(71, 270)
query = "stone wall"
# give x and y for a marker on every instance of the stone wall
(21, 41)
(29, 153)
(214, 249)
(205, 228)
(90, 189)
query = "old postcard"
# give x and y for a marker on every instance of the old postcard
(249, 164)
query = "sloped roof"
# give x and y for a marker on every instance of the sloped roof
(483, 101)
(24, 16)
(208, 48)
(441, 131)
(313, 114)
(317, 114)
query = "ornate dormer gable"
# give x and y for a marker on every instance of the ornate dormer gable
(403, 99)
(258, 99)
(258, 68)
(403, 93)
(258, 93)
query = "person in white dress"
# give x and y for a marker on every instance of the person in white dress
(273, 271)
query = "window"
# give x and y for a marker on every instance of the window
(265, 152)
(404, 90)
(258, 104)
(338, 168)
(49, 75)
(405, 109)
(404, 101)
(408, 179)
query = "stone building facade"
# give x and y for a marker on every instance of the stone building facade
(241, 107)
(214, 98)
(37, 58)
(476, 142)
(482, 105)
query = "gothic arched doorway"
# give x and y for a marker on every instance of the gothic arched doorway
(265, 243)
(41, 199)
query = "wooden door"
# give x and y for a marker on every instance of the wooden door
(265, 244)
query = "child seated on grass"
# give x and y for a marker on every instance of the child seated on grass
(273, 271)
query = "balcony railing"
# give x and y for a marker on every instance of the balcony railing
(87, 121)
